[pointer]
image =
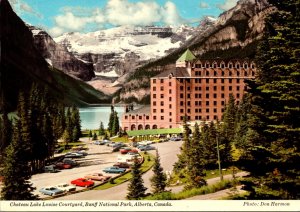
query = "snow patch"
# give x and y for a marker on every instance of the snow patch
(107, 74)
(49, 61)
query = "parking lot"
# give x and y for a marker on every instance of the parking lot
(99, 157)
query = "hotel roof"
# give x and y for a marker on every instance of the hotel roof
(178, 72)
(187, 56)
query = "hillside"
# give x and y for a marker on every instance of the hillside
(22, 64)
(234, 35)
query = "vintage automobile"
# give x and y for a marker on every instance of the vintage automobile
(61, 165)
(147, 147)
(97, 177)
(114, 169)
(65, 187)
(122, 165)
(73, 155)
(82, 182)
(52, 191)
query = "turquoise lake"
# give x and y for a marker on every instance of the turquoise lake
(92, 116)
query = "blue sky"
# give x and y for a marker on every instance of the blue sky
(60, 16)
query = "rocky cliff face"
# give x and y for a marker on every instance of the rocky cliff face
(59, 57)
(234, 34)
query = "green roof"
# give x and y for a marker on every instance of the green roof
(187, 56)
(154, 132)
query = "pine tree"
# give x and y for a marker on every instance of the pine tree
(111, 120)
(16, 170)
(273, 154)
(76, 127)
(94, 136)
(116, 125)
(5, 132)
(196, 161)
(136, 188)
(158, 180)
(101, 129)
(208, 137)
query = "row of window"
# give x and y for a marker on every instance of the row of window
(222, 65)
(199, 110)
(230, 73)
(216, 80)
(215, 88)
(139, 117)
(199, 118)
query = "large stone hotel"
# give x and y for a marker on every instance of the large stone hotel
(197, 89)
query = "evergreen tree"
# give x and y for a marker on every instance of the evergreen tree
(101, 129)
(5, 132)
(94, 136)
(69, 124)
(16, 170)
(136, 188)
(116, 125)
(158, 180)
(76, 127)
(66, 137)
(196, 161)
(208, 137)
(90, 134)
(111, 120)
(273, 154)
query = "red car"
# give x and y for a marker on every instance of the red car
(61, 165)
(127, 149)
(122, 165)
(82, 182)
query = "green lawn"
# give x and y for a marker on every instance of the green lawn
(119, 180)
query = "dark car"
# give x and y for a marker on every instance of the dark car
(114, 169)
(122, 165)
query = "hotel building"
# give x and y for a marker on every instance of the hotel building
(197, 89)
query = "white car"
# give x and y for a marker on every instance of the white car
(145, 142)
(65, 187)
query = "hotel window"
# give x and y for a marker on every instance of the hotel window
(196, 117)
(161, 103)
(237, 88)
(215, 65)
(252, 66)
(252, 73)
(170, 91)
(154, 88)
(230, 73)
(222, 103)
(189, 103)
(230, 88)
(133, 117)
(181, 103)
(200, 103)
(188, 80)
(238, 73)
(154, 110)
(188, 118)
(207, 103)
(196, 95)
(200, 95)
(161, 80)
(161, 88)
(215, 95)
(199, 88)
(207, 88)
(200, 117)
(147, 117)
(154, 117)
(230, 65)
(162, 118)
(188, 110)
(207, 95)
(181, 80)
(207, 110)
(230, 80)
(196, 103)
(154, 81)
(170, 120)
(215, 117)
(126, 117)
(207, 65)
(223, 110)
(188, 88)
(222, 65)
(215, 80)
(222, 88)
(207, 117)
(196, 110)
(215, 88)
(181, 118)
(223, 73)
(237, 80)
(161, 96)
(181, 95)
(215, 110)
(162, 110)
(181, 110)
(170, 99)
(207, 80)
(170, 113)
(222, 80)
(245, 66)
(140, 117)
(237, 95)
(170, 106)
(222, 95)
(181, 88)
(237, 66)
(154, 96)
(188, 96)
(215, 74)
(154, 103)
(215, 103)
(207, 73)
(170, 83)
(200, 110)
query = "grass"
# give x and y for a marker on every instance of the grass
(182, 176)
(147, 165)
(192, 192)
(120, 139)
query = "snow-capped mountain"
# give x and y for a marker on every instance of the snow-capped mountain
(120, 50)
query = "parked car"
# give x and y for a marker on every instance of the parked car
(145, 142)
(97, 176)
(65, 187)
(73, 155)
(114, 169)
(147, 147)
(82, 152)
(176, 139)
(70, 162)
(52, 191)
(50, 169)
(82, 182)
(122, 165)
(133, 153)
(97, 142)
(105, 141)
(110, 143)
(125, 150)
(61, 165)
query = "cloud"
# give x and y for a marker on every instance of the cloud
(116, 12)
(228, 4)
(20, 7)
(203, 5)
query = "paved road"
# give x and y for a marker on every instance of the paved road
(168, 153)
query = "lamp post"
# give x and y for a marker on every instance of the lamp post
(219, 161)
